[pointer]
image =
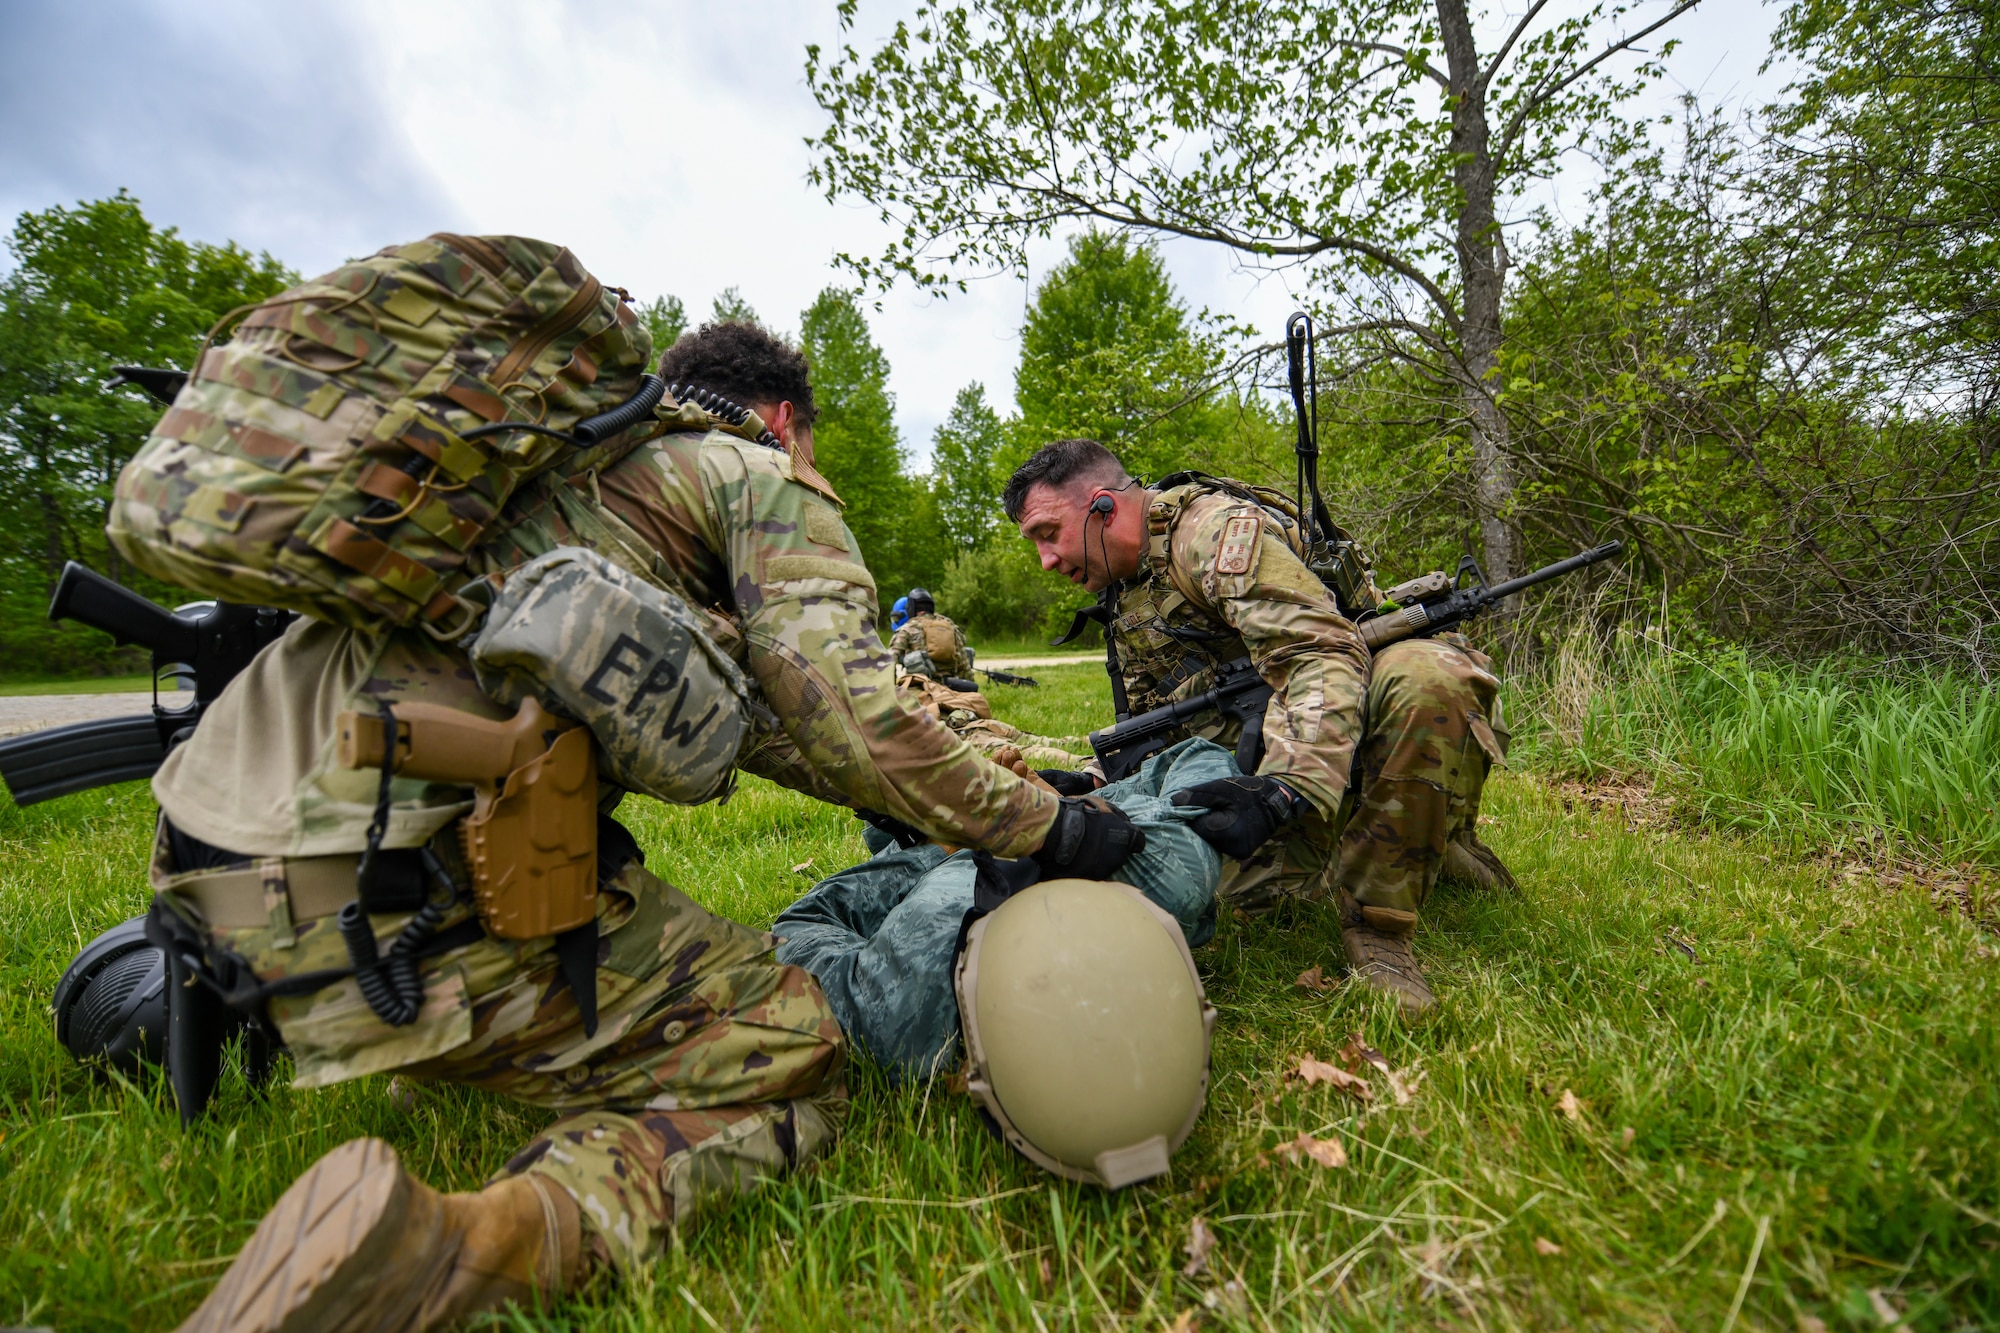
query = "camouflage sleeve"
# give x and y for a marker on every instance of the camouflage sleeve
(778, 759)
(1227, 565)
(958, 647)
(807, 605)
(905, 639)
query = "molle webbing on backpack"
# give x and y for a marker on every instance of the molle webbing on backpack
(319, 460)
(940, 641)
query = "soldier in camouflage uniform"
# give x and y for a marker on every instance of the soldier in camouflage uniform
(1372, 770)
(970, 714)
(711, 1065)
(937, 640)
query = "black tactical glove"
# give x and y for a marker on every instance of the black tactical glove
(1067, 781)
(1089, 840)
(1243, 813)
(905, 836)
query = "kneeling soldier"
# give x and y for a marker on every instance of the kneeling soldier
(928, 644)
(687, 1063)
(1372, 770)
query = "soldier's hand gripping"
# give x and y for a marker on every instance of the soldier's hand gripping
(1243, 813)
(1068, 782)
(1089, 840)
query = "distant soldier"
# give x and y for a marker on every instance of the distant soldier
(930, 645)
(1372, 769)
(899, 613)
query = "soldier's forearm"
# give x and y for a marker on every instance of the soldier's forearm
(835, 690)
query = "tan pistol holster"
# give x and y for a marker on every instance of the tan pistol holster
(531, 839)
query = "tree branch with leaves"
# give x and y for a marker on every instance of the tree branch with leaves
(1368, 143)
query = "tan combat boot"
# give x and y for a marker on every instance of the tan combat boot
(1470, 862)
(359, 1244)
(1377, 940)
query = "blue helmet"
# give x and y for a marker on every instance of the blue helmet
(899, 613)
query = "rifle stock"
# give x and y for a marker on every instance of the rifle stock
(1241, 694)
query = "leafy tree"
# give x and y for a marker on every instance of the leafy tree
(93, 287)
(730, 307)
(858, 447)
(1110, 353)
(666, 319)
(966, 469)
(1001, 588)
(1892, 134)
(1372, 141)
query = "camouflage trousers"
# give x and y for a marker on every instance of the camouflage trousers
(713, 1066)
(1431, 730)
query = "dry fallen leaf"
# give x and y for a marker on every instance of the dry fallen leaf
(1048, 1273)
(1327, 1152)
(1228, 1298)
(1201, 1242)
(1313, 979)
(1183, 1322)
(1626, 1135)
(1404, 1085)
(1569, 1105)
(402, 1094)
(1311, 1071)
(1357, 1052)
(1884, 1311)
(1811, 1323)
(803, 866)
(1543, 1245)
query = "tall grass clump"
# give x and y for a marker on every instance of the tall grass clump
(1837, 752)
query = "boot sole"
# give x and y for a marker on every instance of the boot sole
(318, 1259)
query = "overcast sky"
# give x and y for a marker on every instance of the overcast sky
(662, 142)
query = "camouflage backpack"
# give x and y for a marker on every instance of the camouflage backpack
(343, 451)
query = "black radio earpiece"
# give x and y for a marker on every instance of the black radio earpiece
(1102, 506)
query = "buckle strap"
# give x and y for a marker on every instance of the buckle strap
(244, 898)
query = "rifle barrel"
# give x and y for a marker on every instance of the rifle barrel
(1555, 571)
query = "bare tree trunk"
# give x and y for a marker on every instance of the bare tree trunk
(1482, 272)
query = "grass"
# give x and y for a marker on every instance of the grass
(1819, 756)
(1786, 1090)
(79, 685)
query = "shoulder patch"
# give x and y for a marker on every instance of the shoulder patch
(803, 470)
(823, 526)
(1239, 544)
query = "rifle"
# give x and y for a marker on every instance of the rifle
(1417, 609)
(210, 646)
(1006, 677)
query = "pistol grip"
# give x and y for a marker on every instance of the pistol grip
(440, 744)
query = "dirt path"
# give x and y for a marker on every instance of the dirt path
(33, 712)
(1066, 659)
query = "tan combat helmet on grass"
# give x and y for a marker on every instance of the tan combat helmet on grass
(1086, 1028)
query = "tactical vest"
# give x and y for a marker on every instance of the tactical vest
(1167, 648)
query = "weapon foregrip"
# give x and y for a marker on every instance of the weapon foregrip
(1403, 623)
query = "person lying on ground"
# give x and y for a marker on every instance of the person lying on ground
(881, 938)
